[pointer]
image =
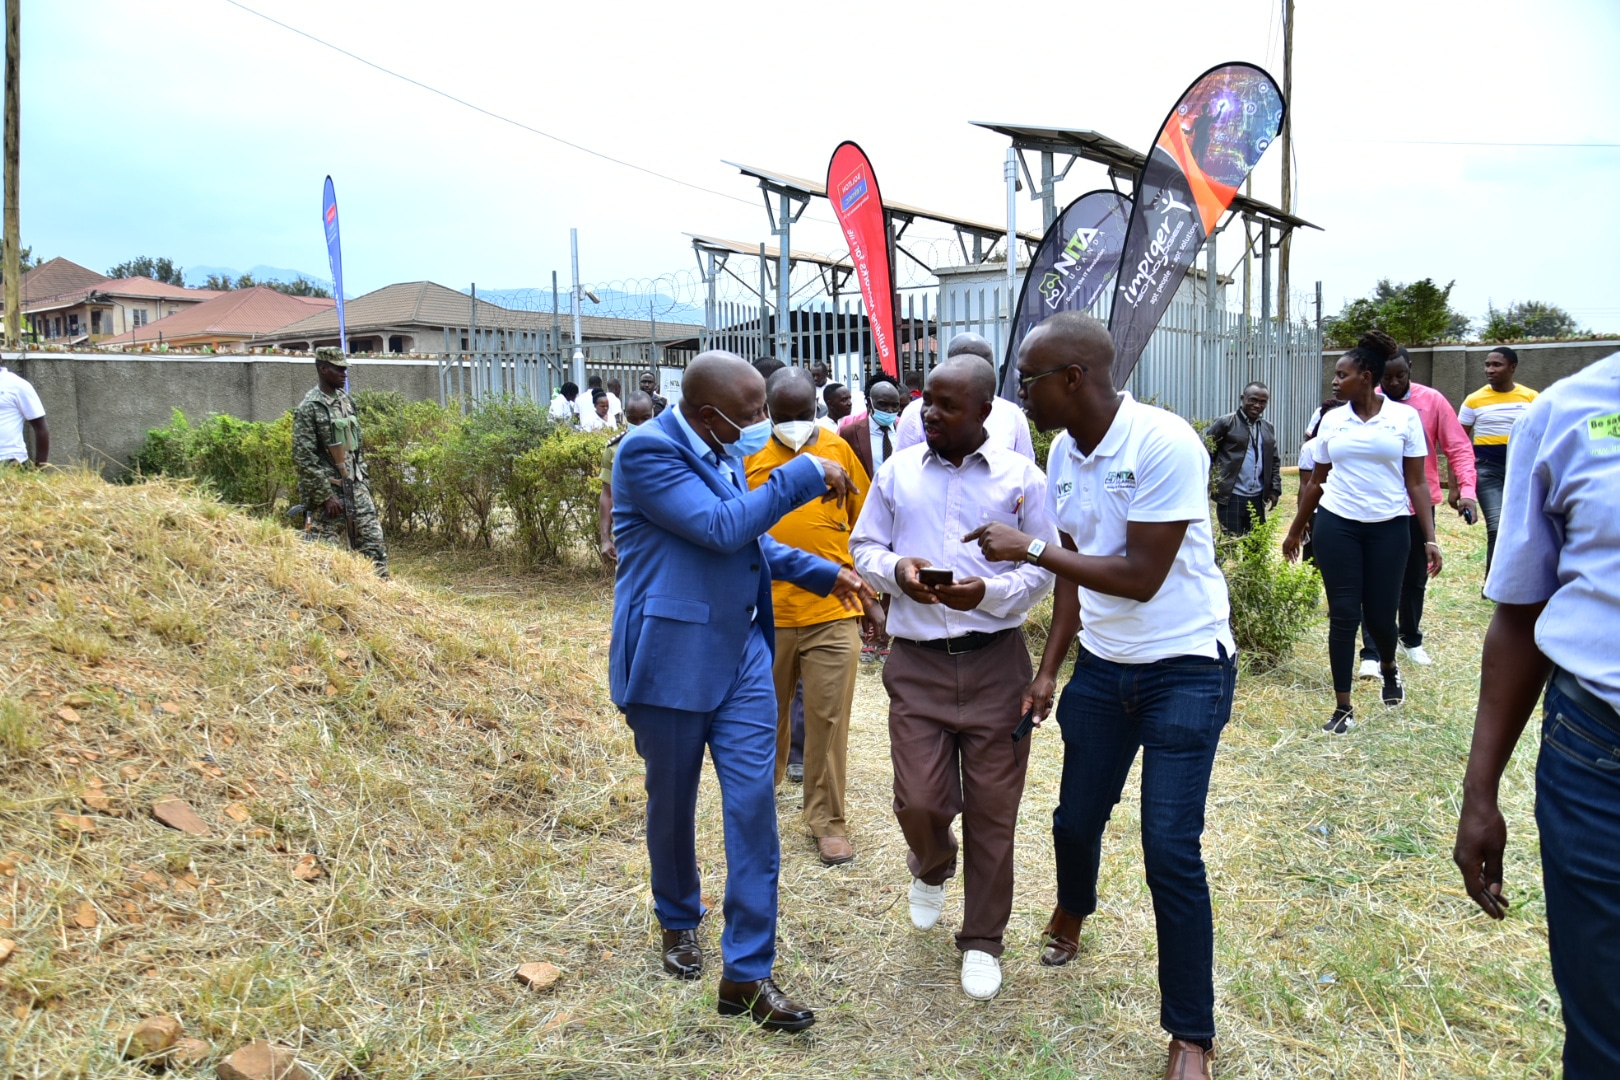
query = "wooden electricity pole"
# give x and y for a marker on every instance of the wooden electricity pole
(12, 265)
(1287, 160)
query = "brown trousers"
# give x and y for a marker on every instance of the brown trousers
(824, 657)
(951, 720)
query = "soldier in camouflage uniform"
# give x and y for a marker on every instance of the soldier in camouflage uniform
(325, 418)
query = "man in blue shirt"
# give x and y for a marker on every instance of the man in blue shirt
(693, 637)
(1556, 581)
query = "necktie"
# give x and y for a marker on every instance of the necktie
(886, 446)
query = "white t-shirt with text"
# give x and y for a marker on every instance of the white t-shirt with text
(1150, 467)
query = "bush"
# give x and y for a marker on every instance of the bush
(1273, 600)
(166, 451)
(552, 491)
(245, 462)
(501, 473)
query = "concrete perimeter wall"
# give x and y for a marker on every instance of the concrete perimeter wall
(100, 405)
(1458, 370)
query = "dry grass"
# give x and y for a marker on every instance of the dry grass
(444, 745)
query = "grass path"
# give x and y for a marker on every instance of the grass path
(1345, 945)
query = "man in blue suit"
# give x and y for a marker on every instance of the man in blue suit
(693, 637)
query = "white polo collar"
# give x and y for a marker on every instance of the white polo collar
(1117, 433)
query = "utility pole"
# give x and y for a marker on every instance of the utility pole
(1288, 158)
(12, 267)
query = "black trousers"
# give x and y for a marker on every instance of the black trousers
(1362, 563)
(1414, 585)
(1233, 514)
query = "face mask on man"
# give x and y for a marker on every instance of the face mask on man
(753, 438)
(793, 434)
(884, 419)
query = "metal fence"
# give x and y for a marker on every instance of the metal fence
(1196, 363)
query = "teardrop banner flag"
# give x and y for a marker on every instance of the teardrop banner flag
(853, 191)
(1207, 146)
(1075, 259)
(334, 257)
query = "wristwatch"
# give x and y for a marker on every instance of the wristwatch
(1033, 554)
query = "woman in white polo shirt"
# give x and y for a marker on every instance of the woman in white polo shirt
(1368, 474)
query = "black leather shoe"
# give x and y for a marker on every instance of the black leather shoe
(765, 1005)
(683, 956)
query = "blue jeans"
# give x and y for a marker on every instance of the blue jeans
(1490, 476)
(1578, 811)
(741, 739)
(1174, 710)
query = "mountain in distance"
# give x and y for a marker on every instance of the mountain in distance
(197, 276)
(615, 304)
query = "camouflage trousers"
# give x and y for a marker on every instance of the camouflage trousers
(367, 527)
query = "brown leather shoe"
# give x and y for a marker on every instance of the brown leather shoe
(1189, 1061)
(765, 1005)
(834, 850)
(1062, 937)
(683, 956)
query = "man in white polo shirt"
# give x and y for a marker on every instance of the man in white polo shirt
(20, 405)
(1556, 583)
(1128, 486)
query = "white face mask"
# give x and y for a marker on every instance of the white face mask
(793, 434)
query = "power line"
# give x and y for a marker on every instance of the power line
(488, 112)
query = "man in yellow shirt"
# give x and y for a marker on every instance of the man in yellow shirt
(817, 642)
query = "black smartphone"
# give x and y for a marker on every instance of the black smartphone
(1025, 726)
(1467, 514)
(935, 575)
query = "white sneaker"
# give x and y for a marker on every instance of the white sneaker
(1370, 670)
(927, 901)
(981, 975)
(1418, 655)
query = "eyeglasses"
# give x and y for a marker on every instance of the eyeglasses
(1025, 380)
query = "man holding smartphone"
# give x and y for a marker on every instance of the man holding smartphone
(959, 664)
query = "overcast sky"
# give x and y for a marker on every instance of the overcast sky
(193, 129)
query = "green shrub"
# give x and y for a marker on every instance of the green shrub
(246, 462)
(166, 451)
(1273, 600)
(500, 474)
(552, 492)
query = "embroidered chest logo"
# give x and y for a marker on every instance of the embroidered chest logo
(1064, 488)
(1120, 480)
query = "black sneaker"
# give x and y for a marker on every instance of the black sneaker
(1394, 688)
(1342, 720)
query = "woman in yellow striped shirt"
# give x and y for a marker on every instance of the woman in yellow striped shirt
(1488, 416)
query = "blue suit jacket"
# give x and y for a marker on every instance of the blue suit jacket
(695, 566)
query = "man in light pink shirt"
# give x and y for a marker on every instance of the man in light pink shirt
(1445, 435)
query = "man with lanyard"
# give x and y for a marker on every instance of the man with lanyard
(1248, 469)
(19, 407)
(324, 419)
(1557, 590)
(1128, 486)
(959, 663)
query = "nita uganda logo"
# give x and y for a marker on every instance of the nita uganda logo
(1053, 286)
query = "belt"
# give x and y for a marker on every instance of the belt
(1600, 711)
(964, 643)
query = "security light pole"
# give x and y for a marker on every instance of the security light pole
(12, 268)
